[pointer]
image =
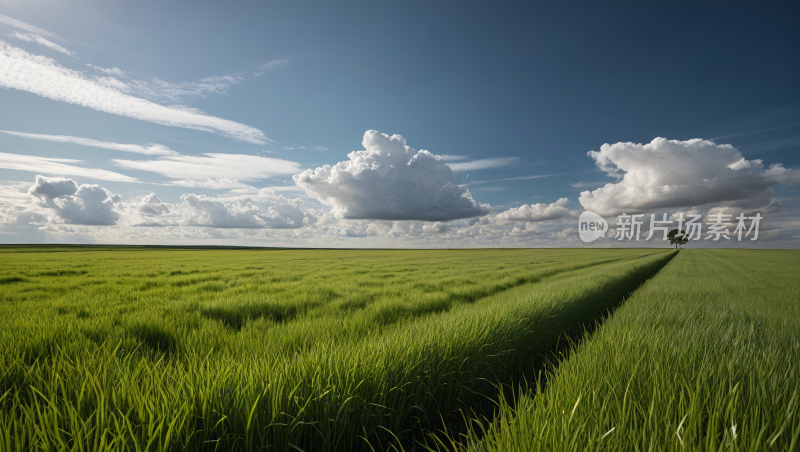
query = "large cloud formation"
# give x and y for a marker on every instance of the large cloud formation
(390, 181)
(666, 174)
(77, 204)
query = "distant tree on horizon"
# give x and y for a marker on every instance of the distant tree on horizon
(677, 237)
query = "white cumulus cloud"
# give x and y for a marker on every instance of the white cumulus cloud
(45, 77)
(390, 181)
(151, 205)
(77, 204)
(666, 174)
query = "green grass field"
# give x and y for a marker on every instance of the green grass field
(194, 349)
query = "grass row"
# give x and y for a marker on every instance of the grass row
(173, 301)
(220, 387)
(705, 356)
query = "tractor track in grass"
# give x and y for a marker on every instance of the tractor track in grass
(447, 435)
(703, 357)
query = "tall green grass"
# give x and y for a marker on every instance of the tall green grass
(281, 357)
(705, 356)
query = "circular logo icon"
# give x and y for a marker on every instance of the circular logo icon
(591, 226)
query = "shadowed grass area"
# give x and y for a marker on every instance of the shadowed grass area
(706, 356)
(12, 279)
(154, 336)
(236, 315)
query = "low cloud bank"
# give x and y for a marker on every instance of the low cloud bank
(201, 210)
(393, 195)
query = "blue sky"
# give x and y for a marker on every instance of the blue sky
(226, 105)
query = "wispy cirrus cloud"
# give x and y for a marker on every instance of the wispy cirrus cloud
(482, 163)
(452, 158)
(755, 132)
(270, 65)
(582, 184)
(274, 64)
(216, 184)
(162, 91)
(24, 26)
(214, 167)
(528, 177)
(490, 189)
(40, 40)
(59, 167)
(109, 71)
(45, 77)
(315, 148)
(772, 145)
(151, 149)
